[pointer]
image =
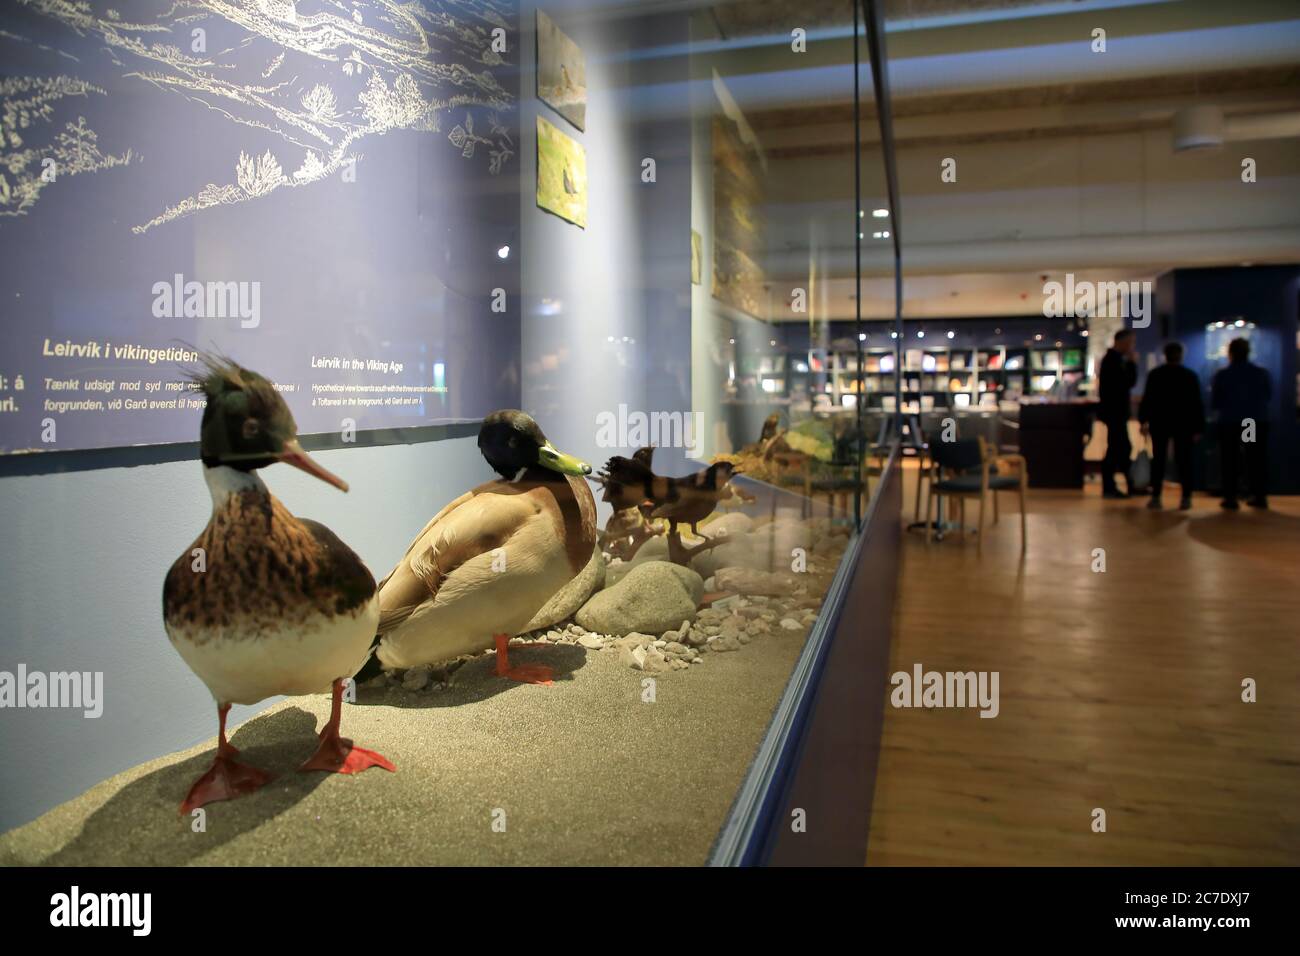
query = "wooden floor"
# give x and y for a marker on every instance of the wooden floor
(1119, 690)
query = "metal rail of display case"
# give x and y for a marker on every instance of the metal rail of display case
(28, 463)
(757, 819)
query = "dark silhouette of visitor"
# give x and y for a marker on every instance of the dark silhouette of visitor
(1117, 376)
(1240, 393)
(1171, 410)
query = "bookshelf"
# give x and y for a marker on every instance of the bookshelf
(940, 376)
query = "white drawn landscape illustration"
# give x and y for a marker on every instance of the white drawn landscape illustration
(323, 76)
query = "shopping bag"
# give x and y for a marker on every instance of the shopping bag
(1139, 472)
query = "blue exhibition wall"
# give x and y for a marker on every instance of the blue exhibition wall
(159, 167)
(332, 201)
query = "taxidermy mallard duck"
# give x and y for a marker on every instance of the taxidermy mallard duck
(271, 604)
(490, 560)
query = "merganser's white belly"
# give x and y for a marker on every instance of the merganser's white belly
(304, 657)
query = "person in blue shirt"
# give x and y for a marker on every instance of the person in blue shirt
(1240, 393)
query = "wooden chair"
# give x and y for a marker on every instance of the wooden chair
(970, 468)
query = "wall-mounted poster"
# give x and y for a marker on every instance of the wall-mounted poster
(697, 258)
(561, 72)
(561, 174)
(225, 176)
(738, 196)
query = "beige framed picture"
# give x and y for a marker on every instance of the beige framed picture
(561, 72)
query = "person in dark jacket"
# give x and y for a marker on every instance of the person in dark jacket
(1118, 375)
(1172, 410)
(1240, 393)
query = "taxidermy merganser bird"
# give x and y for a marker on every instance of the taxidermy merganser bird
(263, 603)
(490, 560)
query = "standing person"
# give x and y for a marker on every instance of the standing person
(1240, 394)
(1172, 410)
(1118, 376)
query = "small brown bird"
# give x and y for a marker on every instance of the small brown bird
(692, 499)
(689, 500)
(629, 482)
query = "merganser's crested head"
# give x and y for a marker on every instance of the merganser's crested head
(511, 442)
(246, 424)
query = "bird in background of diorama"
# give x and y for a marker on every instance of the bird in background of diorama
(264, 603)
(483, 567)
(680, 501)
(629, 526)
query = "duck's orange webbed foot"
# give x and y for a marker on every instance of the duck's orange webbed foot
(337, 754)
(524, 673)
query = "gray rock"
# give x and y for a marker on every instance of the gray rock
(742, 551)
(730, 525)
(573, 595)
(590, 642)
(649, 659)
(656, 549)
(417, 678)
(790, 624)
(652, 598)
(675, 647)
(751, 582)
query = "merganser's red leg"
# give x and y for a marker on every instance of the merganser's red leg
(524, 673)
(226, 778)
(338, 754)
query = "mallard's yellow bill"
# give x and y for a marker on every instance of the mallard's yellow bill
(550, 457)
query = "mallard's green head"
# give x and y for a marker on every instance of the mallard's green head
(513, 442)
(246, 424)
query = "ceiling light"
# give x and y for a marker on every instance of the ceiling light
(503, 252)
(880, 213)
(920, 333)
(952, 334)
(862, 336)
(1198, 127)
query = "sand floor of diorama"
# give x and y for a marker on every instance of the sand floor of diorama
(585, 772)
